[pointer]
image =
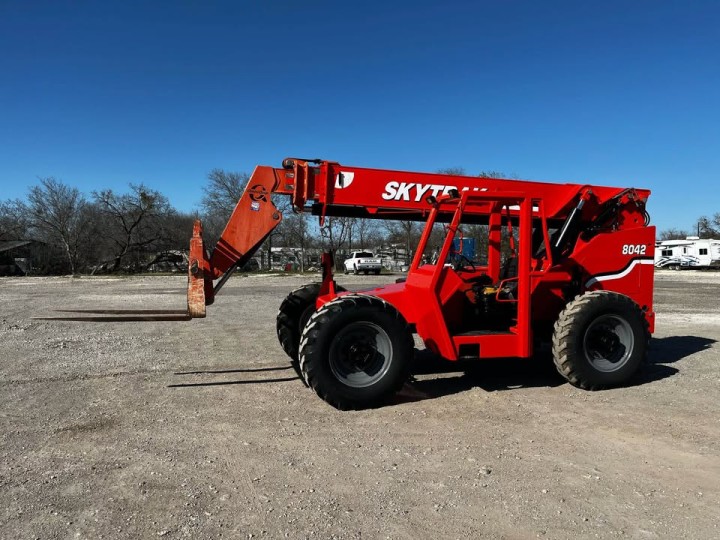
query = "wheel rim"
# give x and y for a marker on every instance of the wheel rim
(608, 343)
(360, 354)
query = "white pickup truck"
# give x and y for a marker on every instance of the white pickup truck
(362, 261)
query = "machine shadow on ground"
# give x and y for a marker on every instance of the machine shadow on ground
(500, 374)
(290, 377)
(434, 377)
(668, 350)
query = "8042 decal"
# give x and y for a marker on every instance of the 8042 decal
(634, 249)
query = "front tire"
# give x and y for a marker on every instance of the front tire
(356, 352)
(600, 340)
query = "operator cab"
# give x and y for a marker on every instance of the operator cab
(475, 253)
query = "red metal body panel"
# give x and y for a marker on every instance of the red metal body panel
(621, 261)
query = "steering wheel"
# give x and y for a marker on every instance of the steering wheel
(459, 263)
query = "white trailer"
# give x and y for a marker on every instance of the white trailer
(689, 253)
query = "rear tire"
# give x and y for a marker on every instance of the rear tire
(294, 313)
(356, 352)
(600, 340)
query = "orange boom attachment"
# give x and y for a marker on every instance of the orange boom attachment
(253, 219)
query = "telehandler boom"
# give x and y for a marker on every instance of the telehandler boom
(580, 276)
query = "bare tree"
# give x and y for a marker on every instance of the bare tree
(452, 171)
(406, 233)
(284, 206)
(707, 227)
(59, 214)
(14, 222)
(133, 221)
(335, 234)
(673, 234)
(223, 191)
(363, 231)
(497, 174)
(221, 194)
(176, 228)
(296, 234)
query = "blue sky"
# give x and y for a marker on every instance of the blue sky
(100, 94)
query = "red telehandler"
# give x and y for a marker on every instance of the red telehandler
(579, 275)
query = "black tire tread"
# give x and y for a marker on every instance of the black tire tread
(322, 317)
(288, 315)
(564, 334)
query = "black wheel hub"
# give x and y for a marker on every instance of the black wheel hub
(608, 342)
(360, 354)
(605, 342)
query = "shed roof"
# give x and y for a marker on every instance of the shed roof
(12, 244)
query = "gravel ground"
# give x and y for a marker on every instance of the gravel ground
(199, 429)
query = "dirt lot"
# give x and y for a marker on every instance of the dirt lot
(201, 430)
